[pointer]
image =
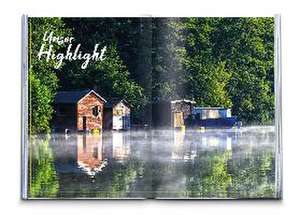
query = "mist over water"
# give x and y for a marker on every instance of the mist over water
(162, 163)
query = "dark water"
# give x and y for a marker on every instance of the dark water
(155, 164)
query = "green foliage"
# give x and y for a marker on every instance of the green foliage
(252, 176)
(211, 177)
(113, 80)
(244, 49)
(116, 181)
(207, 84)
(110, 77)
(43, 179)
(43, 81)
(216, 61)
(40, 110)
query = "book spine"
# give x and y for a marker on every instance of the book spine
(24, 109)
(278, 106)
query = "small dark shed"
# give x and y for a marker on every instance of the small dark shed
(173, 113)
(78, 110)
(117, 114)
(181, 110)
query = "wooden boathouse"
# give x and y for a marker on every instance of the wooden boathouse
(78, 110)
(174, 113)
(117, 114)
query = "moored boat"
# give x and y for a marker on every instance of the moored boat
(213, 117)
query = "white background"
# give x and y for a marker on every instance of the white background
(10, 97)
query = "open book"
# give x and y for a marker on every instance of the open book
(149, 107)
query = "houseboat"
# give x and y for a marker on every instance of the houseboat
(213, 117)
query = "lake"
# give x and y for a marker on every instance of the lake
(218, 163)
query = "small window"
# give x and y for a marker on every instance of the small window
(96, 110)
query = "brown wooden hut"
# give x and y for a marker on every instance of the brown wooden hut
(173, 113)
(78, 110)
(181, 110)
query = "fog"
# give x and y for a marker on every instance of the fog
(161, 163)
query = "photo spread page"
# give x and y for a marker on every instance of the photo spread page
(151, 108)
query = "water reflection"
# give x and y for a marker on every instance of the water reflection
(43, 181)
(90, 157)
(120, 145)
(155, 164)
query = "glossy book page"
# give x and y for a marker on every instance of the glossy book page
(151, 108)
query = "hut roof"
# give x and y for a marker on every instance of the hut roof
(211, 108)
(69, 97)
(183, 100)
(114, 101)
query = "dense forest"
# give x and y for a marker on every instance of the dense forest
(215, 61)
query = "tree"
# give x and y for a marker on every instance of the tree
(110, 77)
(247, 45)
(229, 62)
(207, 77)
(167, 59)
(40, 109)
(216, 61)
(43, 81)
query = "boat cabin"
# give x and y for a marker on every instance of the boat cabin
(213, 117)
(211, 112)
